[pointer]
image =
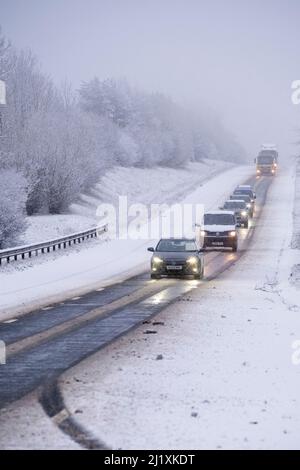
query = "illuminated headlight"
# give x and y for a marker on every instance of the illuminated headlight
(275, 164)
(157, 260)
(258, 172)
(232, 234)
(248, 205)
(243, 213)
(203, 233)
(192, 260)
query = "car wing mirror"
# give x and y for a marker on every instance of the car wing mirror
(151, 249)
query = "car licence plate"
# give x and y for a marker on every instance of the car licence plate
(217, 243)
(176, 268)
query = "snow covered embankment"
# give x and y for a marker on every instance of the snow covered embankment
(159, 184)
(295, 277)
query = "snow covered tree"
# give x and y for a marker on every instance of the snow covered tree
(12, 207)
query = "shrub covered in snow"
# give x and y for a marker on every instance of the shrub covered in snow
(12, 206)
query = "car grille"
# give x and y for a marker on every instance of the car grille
(217, 234)
(174, 262)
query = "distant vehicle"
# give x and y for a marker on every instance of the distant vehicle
(241, 212)
(177, 256)
(267, 160)
(219, 230)
(246, 189)
(245, 197)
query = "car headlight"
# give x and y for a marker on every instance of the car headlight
(248, 205)
(157, 260)
(192, 260)
(258, 171)
(203, 233)
(232, 234)
(244, 213)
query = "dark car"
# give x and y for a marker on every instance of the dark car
(246, 189)
(240, 210)
(177, 256)
(247, 199)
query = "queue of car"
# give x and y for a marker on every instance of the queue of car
(184, 256)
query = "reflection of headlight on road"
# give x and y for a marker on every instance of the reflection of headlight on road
(243, 213)
(157, 260)
(192, 260)
(203, 233)
(232, 234)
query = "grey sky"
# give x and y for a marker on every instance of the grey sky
(238, 56)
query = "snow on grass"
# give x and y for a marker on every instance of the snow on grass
(47, 227)
(152, 185)
(158, 184)
(225, 378)
(295, 274)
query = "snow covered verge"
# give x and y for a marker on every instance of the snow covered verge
(46, 279)
(295, 274)
(158, 184)
(221, 370)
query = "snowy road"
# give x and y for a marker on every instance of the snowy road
(47, 342)
(225, 378)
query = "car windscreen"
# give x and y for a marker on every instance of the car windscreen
(232, 205)
(265, 159)
(247, 192)
(176, 245)
(219, 219)
(268, 153)
(245, 197)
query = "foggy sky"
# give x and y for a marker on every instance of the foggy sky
(237, 56)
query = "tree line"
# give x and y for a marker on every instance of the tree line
(56, 142)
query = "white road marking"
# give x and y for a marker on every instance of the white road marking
(61, 416)
(11, 320)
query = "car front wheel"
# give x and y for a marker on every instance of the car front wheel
(155, 276)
